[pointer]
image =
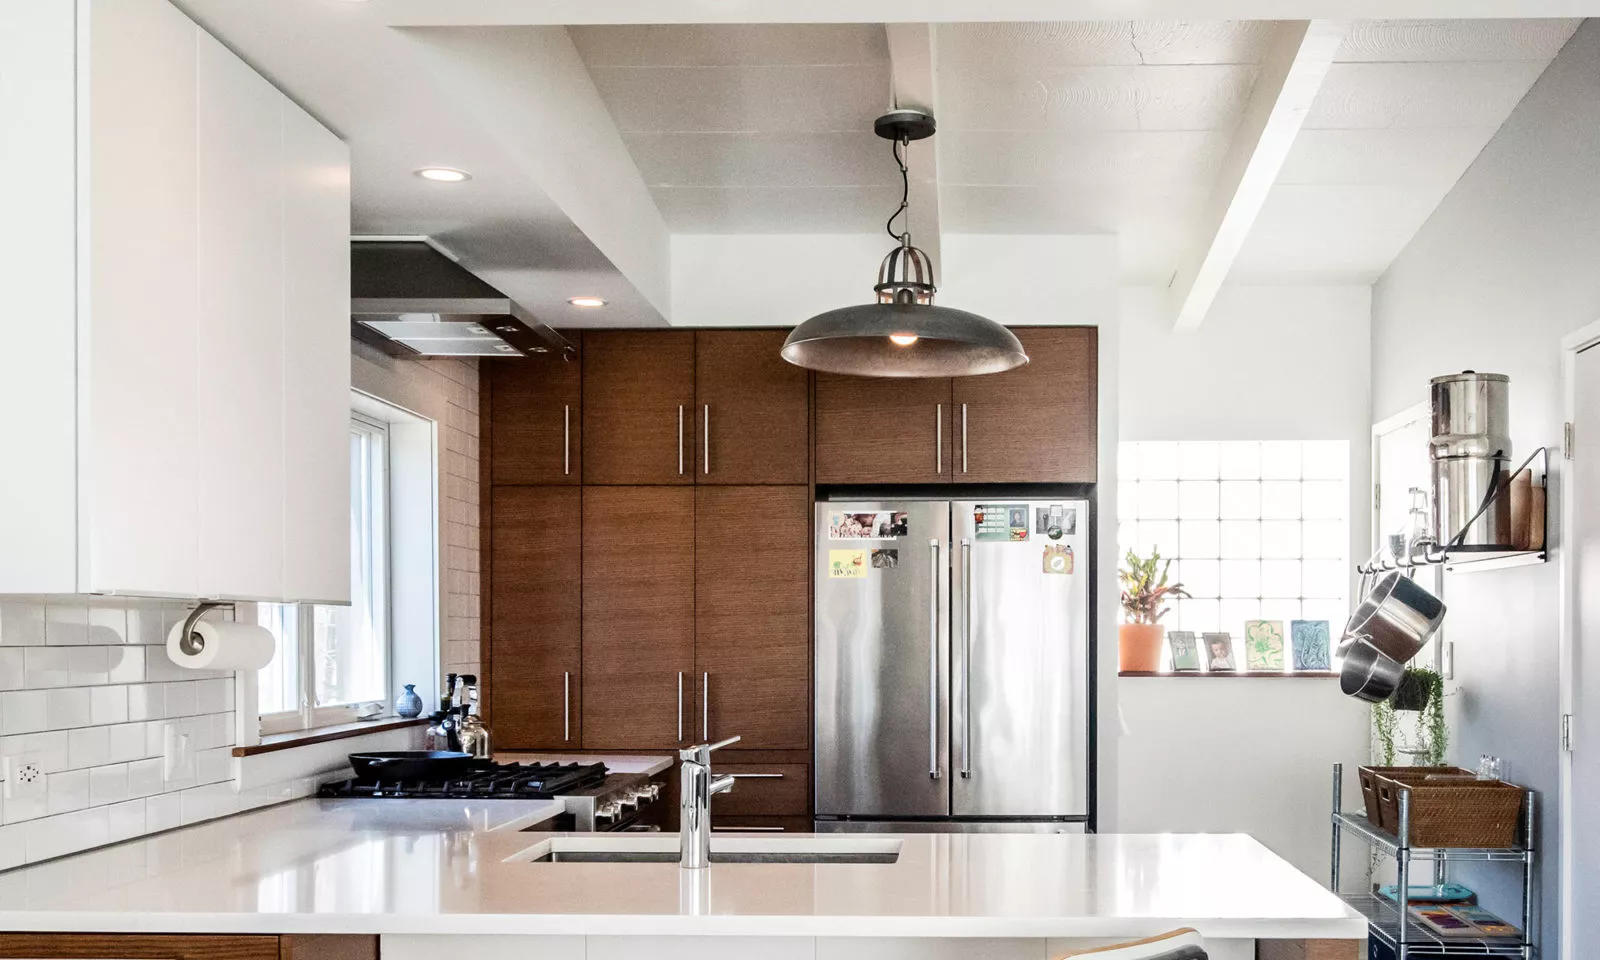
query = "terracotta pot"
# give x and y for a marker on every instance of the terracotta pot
(1139, 646)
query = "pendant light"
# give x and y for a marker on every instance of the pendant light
(902, 333)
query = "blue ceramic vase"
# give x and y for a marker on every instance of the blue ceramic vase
(408, 704)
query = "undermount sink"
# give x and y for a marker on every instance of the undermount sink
(663, 848)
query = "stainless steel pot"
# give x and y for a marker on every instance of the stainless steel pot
(1470, 415)
(1396, 617)
(1369, 675)
(1460, 487)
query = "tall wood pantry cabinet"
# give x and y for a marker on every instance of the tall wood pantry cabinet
(181, 385)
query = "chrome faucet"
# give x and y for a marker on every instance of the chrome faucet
(696, 788)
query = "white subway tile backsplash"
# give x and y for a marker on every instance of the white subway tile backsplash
(88, 747)
(13, 668)
(147, 701)
(21, 623)
(13, 846)
(127, 820)
(126, 664)
(108, 625)
(22, 711)
(108, 784)
(47, 667)
(108, 705)
(68, 791)
(144, 777)
(146, 626)
(87, 665)
(211, 696)
(180, 698)
(163, 812)
(19, 808)
(67, 708)
(51, 747)
(125, 741)
(207, 802)
(58, 836)
(213, 766)
(66, 624)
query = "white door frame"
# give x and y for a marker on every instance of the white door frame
(1571, 345)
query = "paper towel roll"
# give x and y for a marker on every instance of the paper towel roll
(226, 646)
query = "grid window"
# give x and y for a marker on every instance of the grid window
(1256, 531)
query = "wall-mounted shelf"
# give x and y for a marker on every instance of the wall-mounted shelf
(1460, 561)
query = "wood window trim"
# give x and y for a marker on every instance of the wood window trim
(342, 731)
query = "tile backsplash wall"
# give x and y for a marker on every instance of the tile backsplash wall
(88, 694)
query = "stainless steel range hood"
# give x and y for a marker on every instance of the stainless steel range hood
(410, 299)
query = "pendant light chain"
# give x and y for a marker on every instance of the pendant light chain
(898, 147)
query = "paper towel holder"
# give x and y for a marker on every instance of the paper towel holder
(191, 643)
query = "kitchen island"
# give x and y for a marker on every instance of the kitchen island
(415, 870)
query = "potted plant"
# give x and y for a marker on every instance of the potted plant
(1421, 691)
(1145, 595)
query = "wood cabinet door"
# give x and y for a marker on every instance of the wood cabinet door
(752, 638)
(103, 946)
(535, 627)
(1034, 424)
(536, 417)
(638, 617)
(879, 430)
(752, 407)
(638, 406)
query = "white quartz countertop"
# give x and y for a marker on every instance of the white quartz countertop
(615, 763)
(461, 867)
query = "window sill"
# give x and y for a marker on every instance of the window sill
(1234, 675)
(301, 738)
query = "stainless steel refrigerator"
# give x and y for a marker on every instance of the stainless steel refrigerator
(954, 680)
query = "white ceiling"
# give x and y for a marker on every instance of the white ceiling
(581, 171)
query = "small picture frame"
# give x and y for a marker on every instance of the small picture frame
(1219, 653)
(1311, 644)
(1185, 651)
(1263, 645)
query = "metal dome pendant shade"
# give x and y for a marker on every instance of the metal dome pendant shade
(903, 334)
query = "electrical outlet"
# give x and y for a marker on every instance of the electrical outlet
(176, 754)
(24, 776)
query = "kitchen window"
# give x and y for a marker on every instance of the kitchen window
(333, 659)
(1256, 531)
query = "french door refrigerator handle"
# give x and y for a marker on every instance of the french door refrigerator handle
(966, 658)
(933, 662)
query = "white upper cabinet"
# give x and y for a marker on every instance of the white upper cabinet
(205, 337)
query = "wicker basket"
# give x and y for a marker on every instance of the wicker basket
(1369, 787)
(1482, 814)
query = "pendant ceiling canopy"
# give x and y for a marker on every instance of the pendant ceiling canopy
(902, 333)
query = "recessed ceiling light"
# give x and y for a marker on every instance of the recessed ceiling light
(444, 174)
(586, 301)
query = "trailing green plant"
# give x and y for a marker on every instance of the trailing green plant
(1145, 590)
(1434, 734)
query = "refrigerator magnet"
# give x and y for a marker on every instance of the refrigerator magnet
(1058, 559)
(847, 564)
(885, 559)
(1000, 521)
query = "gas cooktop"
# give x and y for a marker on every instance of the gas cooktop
(509, 781)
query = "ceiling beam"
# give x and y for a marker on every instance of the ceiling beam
(556, 12)
(1291, 73)
(913, 87)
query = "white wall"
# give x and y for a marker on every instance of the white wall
(1508, 264)
(1247, 754)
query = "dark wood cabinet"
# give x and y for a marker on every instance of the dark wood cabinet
(871, 430)
(536, 629)
(1034, 424)
(638, 617)
(638, 407)
(762, 790)
(753, 409)
(166, 946)
(535, 408)
(752, 634)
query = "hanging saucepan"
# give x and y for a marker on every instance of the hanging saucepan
(1368, 674)
(1397, 616)
(1362, 589)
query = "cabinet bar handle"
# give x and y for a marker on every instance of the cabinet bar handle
(680, 706)
(756, 776)
(566, 705)
(707, 438)
(933, 662)
(705, 706)
(752, 829)
(938, 438)
(680, 448)
(963, 438)
(566, 439)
